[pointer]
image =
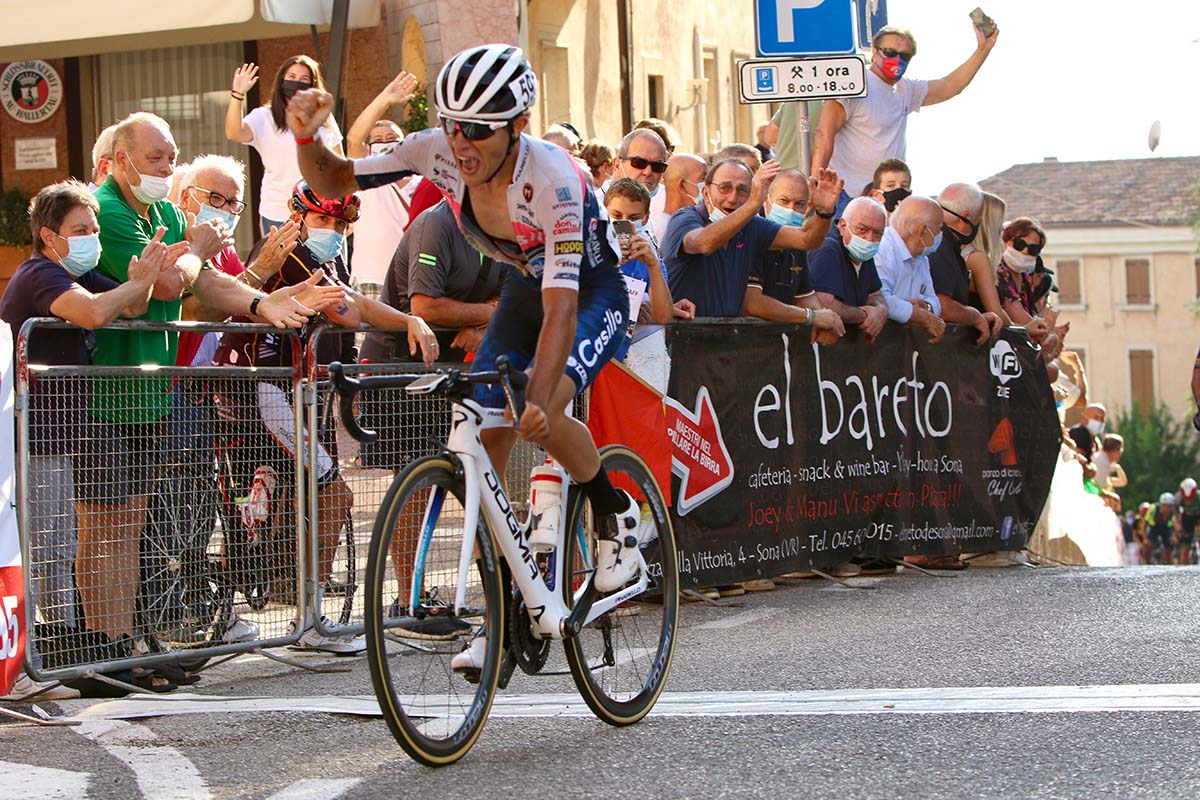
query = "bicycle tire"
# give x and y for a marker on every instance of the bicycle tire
(418, 720)
(346, 613)
(643, 630)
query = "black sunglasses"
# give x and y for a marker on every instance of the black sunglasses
(1022, 245)
(472, 131)
(639, 163)
(890, 53)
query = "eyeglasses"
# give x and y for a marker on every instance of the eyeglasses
(218, 200)
(725, 188)
(890, 53)
(639, 163)
(471, 131)
(1023, 246)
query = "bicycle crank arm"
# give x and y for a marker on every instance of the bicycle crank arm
(574, 622)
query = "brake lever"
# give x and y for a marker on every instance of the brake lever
(508, 380)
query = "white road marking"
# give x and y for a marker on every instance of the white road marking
(317, 789)
(22, 781)
(1182, 697)
(163, 773)
(745, 618)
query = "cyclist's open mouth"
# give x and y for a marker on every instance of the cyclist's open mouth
(467, 166)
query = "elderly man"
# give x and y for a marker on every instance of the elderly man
(962, 209)
(102, 153)
(742, 152)
(1089, 430)
(681, 188)
(712, 249)
(843, 271)
(642, 156)
(782, 273)
(855, 134)
(915, 231)
(126, 419)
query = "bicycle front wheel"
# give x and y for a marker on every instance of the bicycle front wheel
(435, 713)
(621, 659)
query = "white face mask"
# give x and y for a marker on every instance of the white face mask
(207, 212)
(1095, 427)
(379, 148)
(1018, 261)
(151, 189)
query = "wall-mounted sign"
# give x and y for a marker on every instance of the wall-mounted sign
(40, 153)
(30, 91)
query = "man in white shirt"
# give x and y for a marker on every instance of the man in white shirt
(855, 134)
(914, 232)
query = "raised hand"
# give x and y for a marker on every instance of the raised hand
(308, 110)
(986, 43)
(761, 184)
(244, 78)
(153, 260)
(274, 252)
(402, 89)
(207, 238)
(824, 190)
(283, 310)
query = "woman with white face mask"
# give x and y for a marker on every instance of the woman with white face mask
(1023, 289)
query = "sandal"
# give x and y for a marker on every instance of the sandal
(175, 674)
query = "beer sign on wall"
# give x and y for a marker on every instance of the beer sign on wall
(31, 91)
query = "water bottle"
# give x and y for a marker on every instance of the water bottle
(545, 500)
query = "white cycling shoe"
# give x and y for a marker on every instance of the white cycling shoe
(616, 553)
(470, 661)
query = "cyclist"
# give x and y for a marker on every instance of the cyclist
(267, 405)
(1141, 528)
(1188, 504)
(1161, 520)
(525, 203)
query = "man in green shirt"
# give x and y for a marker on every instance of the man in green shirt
(121, 444)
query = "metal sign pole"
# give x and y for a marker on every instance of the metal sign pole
(803, 142)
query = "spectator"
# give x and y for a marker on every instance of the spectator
(668, 134)
(843, 272)
(642, 156)
(265, 129)
(742, 152)
(1022, 298)
(1087, 433)
(914, 232)
(983, 253)
(1109, 473)
(670, 138)
(102, 152)
(891, 183)
(127, 416)
(599, 157)
(1196, 391)
(385, 209)
(765, 151)
(212, 188)
(563, 137)
(323, 224)
(783, 274)
(60, 280)
(681, 188)
(855, 134)
(711, 248)
(962, 210)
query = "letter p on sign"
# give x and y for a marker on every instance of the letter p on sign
(783, 15)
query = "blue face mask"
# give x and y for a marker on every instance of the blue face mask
(937, 242)
(83, 254)
(785, 216)
(207, 212)
(324, 244)
(860, 249)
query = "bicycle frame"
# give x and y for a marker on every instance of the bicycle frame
(484, 490)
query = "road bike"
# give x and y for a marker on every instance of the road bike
(447, 521)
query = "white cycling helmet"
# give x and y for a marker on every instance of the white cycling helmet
(1166, 499)
(490, 83)
(1188, 486)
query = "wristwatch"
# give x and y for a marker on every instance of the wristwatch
(822, 214)
(254, 305)
(809, 316)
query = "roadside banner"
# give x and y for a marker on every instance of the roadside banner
(12, 588)
(788, 455)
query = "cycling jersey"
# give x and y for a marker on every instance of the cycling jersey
(560, 232)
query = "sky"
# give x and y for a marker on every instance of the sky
(1076, 80)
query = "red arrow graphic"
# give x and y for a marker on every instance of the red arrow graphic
(698, 453)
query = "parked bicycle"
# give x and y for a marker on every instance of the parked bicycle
(478, 577)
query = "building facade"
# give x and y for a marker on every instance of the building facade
(1121, 241)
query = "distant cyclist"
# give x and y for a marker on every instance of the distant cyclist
(1188, 505)
(525, 203)
(1161, 521)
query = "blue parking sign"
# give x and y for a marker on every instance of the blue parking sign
(764, 79)
(803, 27)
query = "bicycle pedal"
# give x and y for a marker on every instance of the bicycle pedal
(471, 676)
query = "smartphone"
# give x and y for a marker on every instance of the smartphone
(986, 25)
(623, 228)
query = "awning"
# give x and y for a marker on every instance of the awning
(84, 27)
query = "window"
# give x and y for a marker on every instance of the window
(1141, 379)
(655, 101)
(712, 104)
(1070, 285)
(554, 84)
(1137, 281)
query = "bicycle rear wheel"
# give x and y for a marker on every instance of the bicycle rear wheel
(621, 659)
(433, 712)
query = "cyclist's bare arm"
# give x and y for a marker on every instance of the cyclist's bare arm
(329, 174)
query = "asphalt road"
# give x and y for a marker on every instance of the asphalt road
(763, 700)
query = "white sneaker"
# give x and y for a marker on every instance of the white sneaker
(470, 661)
(26, 686)
(338, 645)
(240, 631)
(616, 561)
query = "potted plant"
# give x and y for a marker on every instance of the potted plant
(15, 238)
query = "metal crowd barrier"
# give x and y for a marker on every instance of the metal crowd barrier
(133, 491)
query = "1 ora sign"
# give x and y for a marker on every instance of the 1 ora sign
(31, 91)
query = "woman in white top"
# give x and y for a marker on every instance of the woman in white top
(265, 129)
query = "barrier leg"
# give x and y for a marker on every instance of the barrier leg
(900, 562)
(842, 581)
(46, 722)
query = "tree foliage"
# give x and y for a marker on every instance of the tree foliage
(1160, 451)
